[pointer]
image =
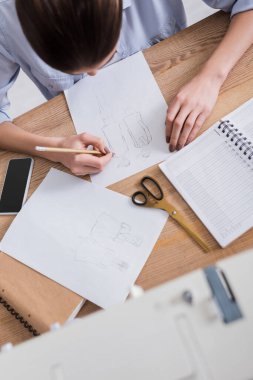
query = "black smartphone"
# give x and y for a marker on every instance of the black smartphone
(15, 186)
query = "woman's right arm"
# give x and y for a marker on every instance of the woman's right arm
(16, 139)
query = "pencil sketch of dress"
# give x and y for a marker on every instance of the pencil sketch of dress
(99, 246)
(130, 132)
(111, 132)
(137, 130)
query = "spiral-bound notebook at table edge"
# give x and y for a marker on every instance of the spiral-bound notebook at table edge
(19, 317)
(43, 301)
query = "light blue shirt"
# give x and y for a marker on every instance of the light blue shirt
(145, 22)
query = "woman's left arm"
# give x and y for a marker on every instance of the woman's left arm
(194, 102)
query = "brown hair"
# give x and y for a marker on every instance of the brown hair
(71, 34)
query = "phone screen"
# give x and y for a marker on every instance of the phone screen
(15, 185)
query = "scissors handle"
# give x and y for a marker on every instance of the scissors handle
(151, 193)
(139, 198)
(180, 220)
(152, 187)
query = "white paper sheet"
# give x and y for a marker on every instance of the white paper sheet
(123, 105)
(89, 239)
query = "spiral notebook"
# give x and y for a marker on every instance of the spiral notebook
(214, 174)
(34, 300)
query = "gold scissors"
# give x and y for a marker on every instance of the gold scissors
(153, 196)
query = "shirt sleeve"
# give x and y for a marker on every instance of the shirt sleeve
(231, 6)
(8, 73)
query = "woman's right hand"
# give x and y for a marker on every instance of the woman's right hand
(81, 164)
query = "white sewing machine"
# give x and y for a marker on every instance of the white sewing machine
(197, 327)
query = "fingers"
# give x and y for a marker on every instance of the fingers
(87, 164)
(189, 110)
(171, 114)
(198, 124)
(84, 170)
(177, 127)
(189, 124)
(93, 161)
(185, 127)
(96, 142)
(82, 164)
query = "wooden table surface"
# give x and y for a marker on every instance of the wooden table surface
(173, 62)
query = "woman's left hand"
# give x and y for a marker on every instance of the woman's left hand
(190, 108)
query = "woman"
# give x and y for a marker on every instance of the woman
(56, 42)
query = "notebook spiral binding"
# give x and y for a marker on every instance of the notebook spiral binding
(13, 312)
(238, 138)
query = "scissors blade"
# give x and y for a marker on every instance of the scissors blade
(180, 220)
(165, 205)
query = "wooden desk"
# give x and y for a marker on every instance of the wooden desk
(173, 62)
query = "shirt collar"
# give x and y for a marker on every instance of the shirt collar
(126, 3)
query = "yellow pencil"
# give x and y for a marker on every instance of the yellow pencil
(67, 150)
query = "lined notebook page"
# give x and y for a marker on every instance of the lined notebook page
(216, 180)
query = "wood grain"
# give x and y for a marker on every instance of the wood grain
(173, 62)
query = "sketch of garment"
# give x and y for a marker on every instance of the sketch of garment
(112, 137)
(90, 252)
(129, 131)
(113, 230)
(99, 246)
(138, 131)
(111, 132)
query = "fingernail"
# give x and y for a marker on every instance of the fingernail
(179, 147)
(107, 150)
(172, 148)
(167, 139)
